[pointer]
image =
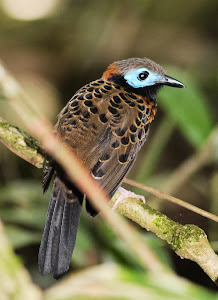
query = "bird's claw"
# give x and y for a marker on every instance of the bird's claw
(127, 194)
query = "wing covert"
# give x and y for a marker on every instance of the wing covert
(106, 127)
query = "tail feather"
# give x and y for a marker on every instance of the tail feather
(44, 259)
(60, 230)
(90, 209)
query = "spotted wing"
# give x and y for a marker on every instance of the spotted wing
(129, 127)
(106, 127)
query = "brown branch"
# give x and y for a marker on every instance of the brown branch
(21, 143)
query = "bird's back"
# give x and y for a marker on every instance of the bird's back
(104, 118)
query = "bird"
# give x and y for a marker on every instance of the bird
(105, 123)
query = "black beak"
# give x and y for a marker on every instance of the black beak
(167, 80)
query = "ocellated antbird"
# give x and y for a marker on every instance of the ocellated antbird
(105, 123)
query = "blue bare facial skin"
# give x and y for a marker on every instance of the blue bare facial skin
(136, 79)
(142, 77)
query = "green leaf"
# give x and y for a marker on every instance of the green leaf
(31, 217)
(21, 237)
(188, 108)
(113, 281)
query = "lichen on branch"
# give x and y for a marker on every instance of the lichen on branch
(21, 143)
(188, 241)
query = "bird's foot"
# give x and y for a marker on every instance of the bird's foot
(127, 194)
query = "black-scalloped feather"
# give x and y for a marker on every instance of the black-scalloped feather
(105, 124)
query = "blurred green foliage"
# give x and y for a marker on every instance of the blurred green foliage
(191, 112)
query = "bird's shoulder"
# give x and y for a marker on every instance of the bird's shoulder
(100, 110)
(103, 100)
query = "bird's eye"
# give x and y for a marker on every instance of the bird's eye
(143, 75)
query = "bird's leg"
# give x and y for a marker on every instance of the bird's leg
(127, 194)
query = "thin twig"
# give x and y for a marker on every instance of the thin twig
(25, 146)
(172, 199)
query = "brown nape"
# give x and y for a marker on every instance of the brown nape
(110, 71)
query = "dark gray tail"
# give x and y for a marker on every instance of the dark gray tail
(60, 230)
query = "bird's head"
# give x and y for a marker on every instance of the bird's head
(140, 75)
